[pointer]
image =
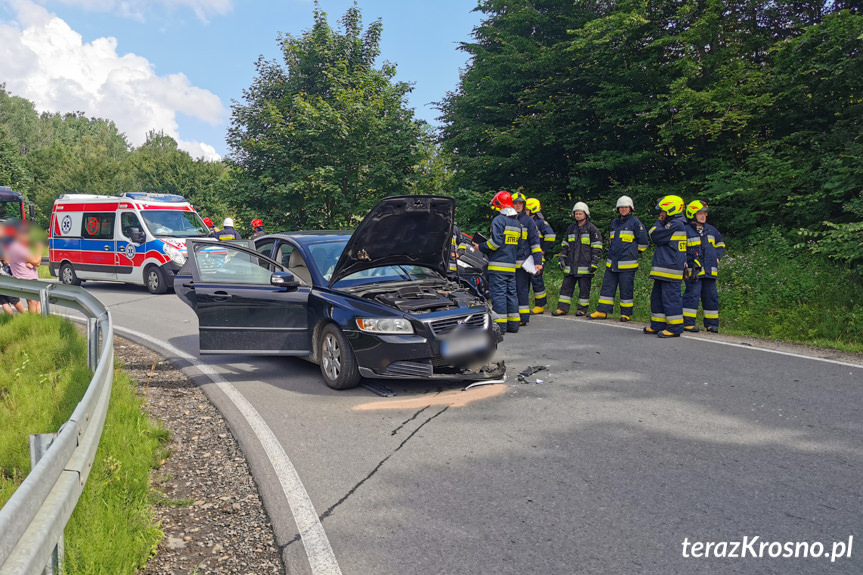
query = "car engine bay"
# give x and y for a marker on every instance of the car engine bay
(424, 299)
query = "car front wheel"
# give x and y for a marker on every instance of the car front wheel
(338, 364)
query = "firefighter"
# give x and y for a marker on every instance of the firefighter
(228, 232)
(627, 239)
(669, 262)
(458, 239)
(528, 247)
(579, 260)
(502, 251)
(258, 227)
(546, 242)
(703, 286)
(209, 223)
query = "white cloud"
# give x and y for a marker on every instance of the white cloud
(137, 9)
(44, 60)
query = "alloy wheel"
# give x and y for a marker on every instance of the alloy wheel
(332, 357)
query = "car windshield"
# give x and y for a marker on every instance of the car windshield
(174, 223)
(326, 256)
(10, 211)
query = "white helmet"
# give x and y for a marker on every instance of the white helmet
(228, 223)
(581, 207)
(625, 202)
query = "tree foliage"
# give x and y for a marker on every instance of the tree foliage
(322, 135)
(752, 105)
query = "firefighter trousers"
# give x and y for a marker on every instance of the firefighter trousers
(522, 288)
(539, 295)
(626, 282)
(666, 306)
(703, 291)
(504, 300)
(567, 288)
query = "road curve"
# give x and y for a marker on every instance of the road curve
(631, 445)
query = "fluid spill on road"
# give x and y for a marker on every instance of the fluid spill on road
(453, 398)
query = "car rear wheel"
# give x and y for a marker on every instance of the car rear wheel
(68, 275)
(155, 280)
(338, 364)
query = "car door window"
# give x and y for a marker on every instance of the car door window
(283, 254)
(266, 248)
(224, 264)
(130, 226)
(99, 226)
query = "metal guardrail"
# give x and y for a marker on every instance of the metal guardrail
(33, 520)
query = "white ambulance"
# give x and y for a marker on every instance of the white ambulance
(134, 238)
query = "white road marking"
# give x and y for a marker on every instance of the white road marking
(720, 342)
(322, 560)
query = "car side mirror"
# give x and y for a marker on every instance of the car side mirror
(284, 280)
(137, 235)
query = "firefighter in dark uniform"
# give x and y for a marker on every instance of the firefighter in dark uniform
(528, 247)
(502, 251)
(457, 240)
(702, 287)
(627, 239)
(579, 260)
(669, 263)
(258, 227)
(228, 232)
(546, 242)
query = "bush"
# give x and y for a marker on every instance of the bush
(768, 288)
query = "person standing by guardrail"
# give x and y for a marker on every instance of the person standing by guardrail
(23, 263)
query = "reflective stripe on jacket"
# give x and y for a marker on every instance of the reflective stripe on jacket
(502, 246)
(669, 259)
(627, 239)
(581, 248)
(545, 232)
(528, 243)
(712, 250)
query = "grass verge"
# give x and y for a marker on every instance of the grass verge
(768, 289)
(43, 375)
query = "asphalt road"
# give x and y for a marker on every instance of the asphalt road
(631, 445)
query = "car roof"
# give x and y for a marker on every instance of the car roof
(313, 236)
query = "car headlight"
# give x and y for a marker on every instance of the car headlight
(385, 325)
(175, 254)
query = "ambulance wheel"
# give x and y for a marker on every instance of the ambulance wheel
(338, 364)
(155, 280)
(68, 276)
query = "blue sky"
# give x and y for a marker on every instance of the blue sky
(217, 51)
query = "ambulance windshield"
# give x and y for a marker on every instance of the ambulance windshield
(174, 223)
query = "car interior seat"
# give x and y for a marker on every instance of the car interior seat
(297, 266)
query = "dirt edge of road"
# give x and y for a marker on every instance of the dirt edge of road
(206, 500)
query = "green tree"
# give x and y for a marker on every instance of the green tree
(325, 133)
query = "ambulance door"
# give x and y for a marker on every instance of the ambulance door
(97, 247)
(131, 244)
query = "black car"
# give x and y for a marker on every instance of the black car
(375, 303)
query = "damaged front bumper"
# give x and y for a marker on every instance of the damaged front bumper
(429, 370)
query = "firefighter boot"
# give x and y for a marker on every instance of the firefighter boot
(691, 329)
(558, 312)
(665, 333)
(538, 310)
(597, 315)
(649, 331)
(625, 318)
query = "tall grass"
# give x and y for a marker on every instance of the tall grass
(768, 288)
(43, 375)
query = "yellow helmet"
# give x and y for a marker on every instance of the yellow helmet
(519, 197)
(695, 207)
(671, 205)
(533, 205)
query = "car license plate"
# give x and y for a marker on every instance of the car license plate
(464, 345)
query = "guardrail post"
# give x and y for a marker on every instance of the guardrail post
(39, 444)
(44, 300)
(92, 343)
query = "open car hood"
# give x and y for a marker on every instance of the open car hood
(400, 230)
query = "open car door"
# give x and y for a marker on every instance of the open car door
(246, 303)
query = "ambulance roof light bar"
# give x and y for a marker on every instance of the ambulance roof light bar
(143, 196)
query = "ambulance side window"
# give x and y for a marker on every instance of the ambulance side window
(98, 226)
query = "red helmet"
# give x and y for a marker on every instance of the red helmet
(501, 200)
(256, 223)
(208, 222)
